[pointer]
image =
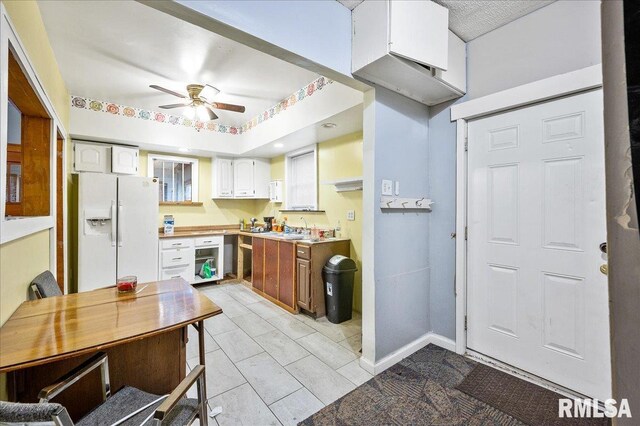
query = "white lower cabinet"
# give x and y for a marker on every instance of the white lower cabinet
(184, 257)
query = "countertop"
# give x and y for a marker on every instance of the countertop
(275, 237)
(201, 231)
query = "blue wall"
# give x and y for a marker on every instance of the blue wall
(401, 240)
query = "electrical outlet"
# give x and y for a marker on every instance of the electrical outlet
(387, 187)
(351, 215)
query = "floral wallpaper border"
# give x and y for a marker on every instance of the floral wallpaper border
(178, 120)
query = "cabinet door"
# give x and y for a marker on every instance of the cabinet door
(91, 157)
(303, 273)
(124, 160)
(257, 268)
(243, 178)
(271, 268)
(286, 273)
(223, 187)
(419, 31)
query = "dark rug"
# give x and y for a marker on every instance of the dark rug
(419, 390)
(525, 401)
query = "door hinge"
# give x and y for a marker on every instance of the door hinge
(466, 233)
(466, 143)
(465, 323)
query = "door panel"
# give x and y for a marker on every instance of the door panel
(286, 273)
(536, 218)
(257, 268)
(138, 227)
(124, 160)
(303, 276)
(243, 177)
(271, 268)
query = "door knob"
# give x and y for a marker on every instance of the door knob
(604, 268)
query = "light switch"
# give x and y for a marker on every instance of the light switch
(387, 187)
(351, 215)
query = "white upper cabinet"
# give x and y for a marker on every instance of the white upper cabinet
(243, 174)
(124, 160)
(222, 178)
(406, 46)
(91, 157)
(241, 178)
(418, 32)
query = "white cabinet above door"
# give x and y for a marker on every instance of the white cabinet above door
(124, 160)
(222, 174)
(243, 178)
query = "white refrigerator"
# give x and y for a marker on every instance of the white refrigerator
(117, 229)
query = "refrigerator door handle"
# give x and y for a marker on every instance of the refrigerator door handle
(120, 221)
(113, 223)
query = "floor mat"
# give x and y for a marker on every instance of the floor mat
(529, 403)
(419, 390)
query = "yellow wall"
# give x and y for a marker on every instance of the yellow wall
(21, 260)
(337, 158)
(212, 212)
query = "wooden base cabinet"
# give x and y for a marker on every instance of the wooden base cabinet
(310, 259)
(274, 272)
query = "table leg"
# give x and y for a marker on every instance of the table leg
(201, 341)
(203, 390)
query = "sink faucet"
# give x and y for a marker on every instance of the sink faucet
(306, 226)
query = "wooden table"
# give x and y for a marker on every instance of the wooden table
(144, 335)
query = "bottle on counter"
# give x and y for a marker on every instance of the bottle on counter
(242, 224)
(337, 231)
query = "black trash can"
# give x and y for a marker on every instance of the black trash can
(338, 288)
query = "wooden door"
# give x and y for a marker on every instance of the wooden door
(257, 268)
(286, 273)
(271, 268)
(536, 297)
(60, 181)
(303, 275)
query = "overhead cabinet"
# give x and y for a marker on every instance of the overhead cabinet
(105, 158)
(406, 46)
(241, 178)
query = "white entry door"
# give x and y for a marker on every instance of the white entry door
(536, 217)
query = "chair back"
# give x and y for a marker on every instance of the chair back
(44, 285)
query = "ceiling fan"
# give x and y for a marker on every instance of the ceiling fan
(199, 102)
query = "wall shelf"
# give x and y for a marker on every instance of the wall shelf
(397, 203)
(346, 184)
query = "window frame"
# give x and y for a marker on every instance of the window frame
(195, 176)
(13, 229)
(287, 175)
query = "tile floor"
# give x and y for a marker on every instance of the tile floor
(265, 366)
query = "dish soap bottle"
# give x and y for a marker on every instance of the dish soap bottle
(338, 234)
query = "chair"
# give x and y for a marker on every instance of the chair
(44, 285)
(129, 406)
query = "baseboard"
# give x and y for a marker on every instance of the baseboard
(405, 351)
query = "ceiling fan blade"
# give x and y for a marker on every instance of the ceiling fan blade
(172, 106)
(212, 115)
(171, 92)
(228, 107)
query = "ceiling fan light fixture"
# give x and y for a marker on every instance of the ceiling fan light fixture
(189, 112)
(202, 113)
(329, 125)
(208, 93)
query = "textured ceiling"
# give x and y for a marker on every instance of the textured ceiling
(472, 18)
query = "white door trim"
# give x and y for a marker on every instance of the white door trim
(539, 91)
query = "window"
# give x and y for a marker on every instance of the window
(301, 179)
(177, 177)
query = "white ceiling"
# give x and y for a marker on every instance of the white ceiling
(113, 50)
(472, 18)
(347, 122)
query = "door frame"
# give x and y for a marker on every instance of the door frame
(532, 93)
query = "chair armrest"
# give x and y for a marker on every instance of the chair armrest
(179, 392)
(98, 360)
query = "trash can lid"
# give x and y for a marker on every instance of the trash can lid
(340, 263)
